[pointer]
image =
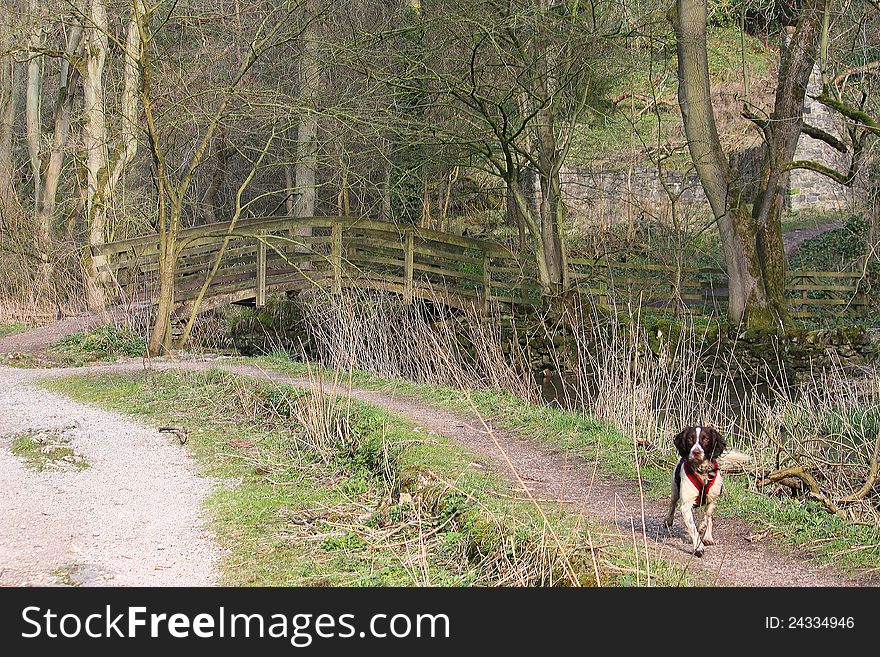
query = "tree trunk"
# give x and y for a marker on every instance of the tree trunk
(528, 184)
(61, 122)
(222, 154)
(307, 131)
(7, 106)
(33, 97)
(127, 147)
(306, 165)
(94, 138)
(160, 337)
(552, 208)
(752, 243)
(549, 248)
(103, 171)
(798, 59)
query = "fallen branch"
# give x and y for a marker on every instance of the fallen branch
(660, 104)
(872, 476)
(871, 68)
(815, 491)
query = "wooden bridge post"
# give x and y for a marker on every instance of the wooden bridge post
(336, 256)
(408, 267)
(487, 284)
(261, 270)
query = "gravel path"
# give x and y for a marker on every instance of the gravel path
(132, 518)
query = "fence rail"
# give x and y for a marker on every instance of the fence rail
(260, 256)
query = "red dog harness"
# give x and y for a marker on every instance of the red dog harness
(702, 488)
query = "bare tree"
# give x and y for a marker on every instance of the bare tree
(507, 83)
(7, 102)
(174, 179)
(33, 102)
(106, 158)
(61, 119)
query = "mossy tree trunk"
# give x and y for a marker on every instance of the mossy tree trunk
(751, 234)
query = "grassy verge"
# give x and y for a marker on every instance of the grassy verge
(102, 343)
(11, 328)
(805, 524)
(330, 492)
(44, 451)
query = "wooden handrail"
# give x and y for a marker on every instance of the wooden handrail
(264, 255)
(268, 224)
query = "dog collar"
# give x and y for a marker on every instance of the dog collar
(701, 486)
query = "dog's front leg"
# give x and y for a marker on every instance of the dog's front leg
(687, 514)
(673, 504)
(706, 525)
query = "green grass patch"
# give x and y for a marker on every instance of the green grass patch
(827, 538)
(47, 451)
(338, 493)
(102, 343)
(11, 328)
(841, 249)
(807, 219)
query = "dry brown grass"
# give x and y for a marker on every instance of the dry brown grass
(376, 333)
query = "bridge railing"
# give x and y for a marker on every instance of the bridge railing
(269, 254)
(809, 293)
(274, 254)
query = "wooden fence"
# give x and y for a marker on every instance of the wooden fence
(281, 254)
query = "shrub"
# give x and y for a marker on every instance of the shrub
(102, 343)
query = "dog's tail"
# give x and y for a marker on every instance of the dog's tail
(732, 461)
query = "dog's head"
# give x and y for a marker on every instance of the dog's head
(699, 444)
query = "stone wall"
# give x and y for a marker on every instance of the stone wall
(611, 192)
(809, 190)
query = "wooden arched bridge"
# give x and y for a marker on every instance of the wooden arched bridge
(266, 255)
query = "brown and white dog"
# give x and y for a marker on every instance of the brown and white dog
(697, 480)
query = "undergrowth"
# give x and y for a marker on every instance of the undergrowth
(102, 343)
(11, 328)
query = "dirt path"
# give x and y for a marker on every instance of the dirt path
(53, 520)
(739, 559)
(37, 340)
(132, 518)
(794, 238)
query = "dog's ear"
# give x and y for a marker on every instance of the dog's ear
(678, 441)
(718, 443)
